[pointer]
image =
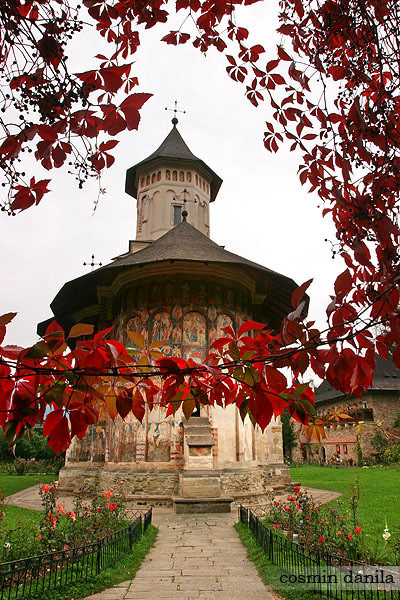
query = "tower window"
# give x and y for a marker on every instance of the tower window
(181, 176)
(153, 178)
(188, 176)
(159, 176)
(174, 175)
(177, 215)
(168, 174)
(148, 180)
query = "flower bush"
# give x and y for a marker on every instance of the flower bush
(28, 466)
(92, 518)
(332, 529)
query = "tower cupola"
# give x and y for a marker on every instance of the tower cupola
(167, 183)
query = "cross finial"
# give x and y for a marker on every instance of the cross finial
(175, 111)
(92, 264)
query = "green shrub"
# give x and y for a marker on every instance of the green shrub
(391, 454)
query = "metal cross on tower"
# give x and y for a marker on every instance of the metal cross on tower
(175, 111)
(92, 264)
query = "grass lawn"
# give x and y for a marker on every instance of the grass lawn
(270, 573)
(379, 492)
(11, 484)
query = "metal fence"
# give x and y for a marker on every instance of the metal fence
(330, 576)
(26, 577)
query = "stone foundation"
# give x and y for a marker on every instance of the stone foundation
(157, 486)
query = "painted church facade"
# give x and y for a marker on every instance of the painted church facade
(177, 287)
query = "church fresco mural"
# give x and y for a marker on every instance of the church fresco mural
(188, 325)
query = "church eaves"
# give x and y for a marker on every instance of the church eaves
(174, 148)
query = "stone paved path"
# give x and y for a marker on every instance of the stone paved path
(194, 556)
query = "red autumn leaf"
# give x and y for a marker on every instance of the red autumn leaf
(124, 403)
(250, 326)
(138, 405)
(7, 318)
(131, 106)
(299, 292)
(56, 429)
(175, 38)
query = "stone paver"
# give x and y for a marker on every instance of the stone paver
(194, 557)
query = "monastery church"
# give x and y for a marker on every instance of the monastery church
(177, 286)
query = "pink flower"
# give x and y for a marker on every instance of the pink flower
(321, 539)
(339, 533)
(358, 529)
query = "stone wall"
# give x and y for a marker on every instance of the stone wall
(340, 443)
(155, 487)
(158, 487)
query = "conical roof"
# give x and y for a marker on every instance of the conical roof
(174, 148)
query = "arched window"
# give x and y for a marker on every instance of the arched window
(197, 180)
(167, 174)
(181, 176)
(153, 178)
(148, 180)
(159, 176)
(174, 175)
(188, 176)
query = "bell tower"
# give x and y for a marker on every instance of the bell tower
(167, 183)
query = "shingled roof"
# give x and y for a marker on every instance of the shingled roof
(386, 378)
(185, 242)
(173, 147)
(182, 243)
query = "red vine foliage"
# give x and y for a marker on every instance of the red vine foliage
(333, 87)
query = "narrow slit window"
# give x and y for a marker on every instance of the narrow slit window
(177, 215)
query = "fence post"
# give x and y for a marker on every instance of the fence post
(130, 537)
(98, 558)
(271, 546)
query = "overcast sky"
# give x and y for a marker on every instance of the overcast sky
(261, 212)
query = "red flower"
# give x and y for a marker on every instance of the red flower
(297, 506)
(339, 533)
(321, 539)
(276, 525)
(297, 488)
(107, 494)
(112, 506)
(45, 488)
(39, 537)
(349, 536)
(358, 529)
(308, 518)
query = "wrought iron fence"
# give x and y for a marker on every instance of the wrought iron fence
(27, 577)
(331, 576)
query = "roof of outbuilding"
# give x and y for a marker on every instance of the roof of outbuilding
(386, 377)
(173, 147)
